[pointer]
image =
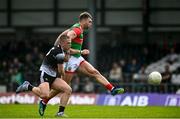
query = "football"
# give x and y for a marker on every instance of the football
(154, 78)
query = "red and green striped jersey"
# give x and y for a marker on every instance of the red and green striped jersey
(77, 42)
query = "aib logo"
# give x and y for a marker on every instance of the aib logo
(172, 101)
(112, 100)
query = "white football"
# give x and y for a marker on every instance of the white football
(154, 78)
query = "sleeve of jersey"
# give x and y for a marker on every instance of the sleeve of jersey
(77, 31)
(60, 58)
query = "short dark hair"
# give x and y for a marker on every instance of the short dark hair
(63, 38)
(84, 15)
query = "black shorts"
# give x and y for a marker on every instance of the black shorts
(44, 77)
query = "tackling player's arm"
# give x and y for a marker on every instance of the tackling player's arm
(61, 70)
(61, 58)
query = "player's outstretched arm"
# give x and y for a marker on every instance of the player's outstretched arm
(72, 34)
(74, 51)
(83, 52)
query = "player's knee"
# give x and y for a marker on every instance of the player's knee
(68, 82)
(45, 95)
(68, 91)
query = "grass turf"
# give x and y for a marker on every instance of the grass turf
(86, 111)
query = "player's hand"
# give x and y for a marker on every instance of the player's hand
(61, 70)
(67, 56)
(85, 52)
(63, 73)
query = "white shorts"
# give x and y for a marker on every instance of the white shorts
(73, 63)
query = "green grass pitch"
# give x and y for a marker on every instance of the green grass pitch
(86, 111)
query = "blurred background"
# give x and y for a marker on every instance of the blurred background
(129, 39)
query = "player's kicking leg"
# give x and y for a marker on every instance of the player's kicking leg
(89, 70)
